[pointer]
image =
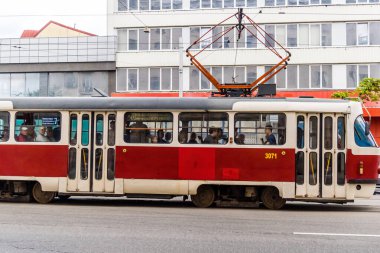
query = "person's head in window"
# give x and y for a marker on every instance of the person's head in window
(160, 136)
(193, 138)
(50, 134)
(31, 134)
(42, 131)
(23, 136)
(168, 137)
(5, 134)
(269, 136)
(212, 137)
(240, 139)
(182, 137)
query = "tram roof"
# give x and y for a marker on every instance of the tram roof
(112, 103)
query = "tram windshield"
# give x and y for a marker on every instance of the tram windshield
(361, 139)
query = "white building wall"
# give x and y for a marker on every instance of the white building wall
(337, 55)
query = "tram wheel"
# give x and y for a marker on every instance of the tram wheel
(271, 198)
(205, 196)
(40, 196)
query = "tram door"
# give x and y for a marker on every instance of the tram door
(320, 156)
(91, 152)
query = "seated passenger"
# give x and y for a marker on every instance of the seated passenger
(50, 134)
(160, 136)
(240, 139)
(182, 137)
(23, 136)
(269, 136)
(31, 134)
(193, 138)
(212, 137)
(40, 135)
(168, 137)
(139, 133)
(57, 133)
(154, 139)
(5, 135)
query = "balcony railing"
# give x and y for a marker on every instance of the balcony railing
(62, 49)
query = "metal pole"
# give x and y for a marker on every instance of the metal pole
(180, 70)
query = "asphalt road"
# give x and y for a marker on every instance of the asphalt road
(120, 225)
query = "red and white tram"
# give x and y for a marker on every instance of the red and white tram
(214, 149)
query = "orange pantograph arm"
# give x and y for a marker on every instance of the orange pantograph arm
(260, 36)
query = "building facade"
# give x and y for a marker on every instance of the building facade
(57, 61)
(334, 44)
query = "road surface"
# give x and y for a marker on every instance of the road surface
(121, 225)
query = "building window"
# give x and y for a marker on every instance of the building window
(144, 5)
(132, 40)
(374, 31)
(326, 35)
(362, 32)
(133, 5)
(155, 5)
(132, 79)
(292, 35)
(122, 5)
(194, 4)
(351, 34)
(351, 75)
(177, 4)
(144, 79)
(217, 3)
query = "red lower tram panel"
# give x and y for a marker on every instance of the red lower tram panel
(241, 164)
(37, 161)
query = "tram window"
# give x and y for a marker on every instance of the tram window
(111, 129)
(341, 136)
(38, 127)
(313, 178)
(260, 128)
(361, 139)
(328, 160)
(84, 164)
(313, 132)
(4, 126)
(341, 175)
(98, 163)
(203, 128)
(111, 164)
(72, 163)
(99, 130)
(73, 129)
(85, 129)
(328, 133)
(300, 167)
(300, 132)
(148, 127)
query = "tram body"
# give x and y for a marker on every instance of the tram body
(322, 151)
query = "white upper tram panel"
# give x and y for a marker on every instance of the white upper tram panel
(226, 104)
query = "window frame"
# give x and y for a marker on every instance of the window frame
(284, 128)
(149, 139)
(8, 115)
(207, 127)
(18, 127)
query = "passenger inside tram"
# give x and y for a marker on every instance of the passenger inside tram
(270, 139)
(193, 138)
(5, 134)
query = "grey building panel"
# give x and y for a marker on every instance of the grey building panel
(57, 67)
